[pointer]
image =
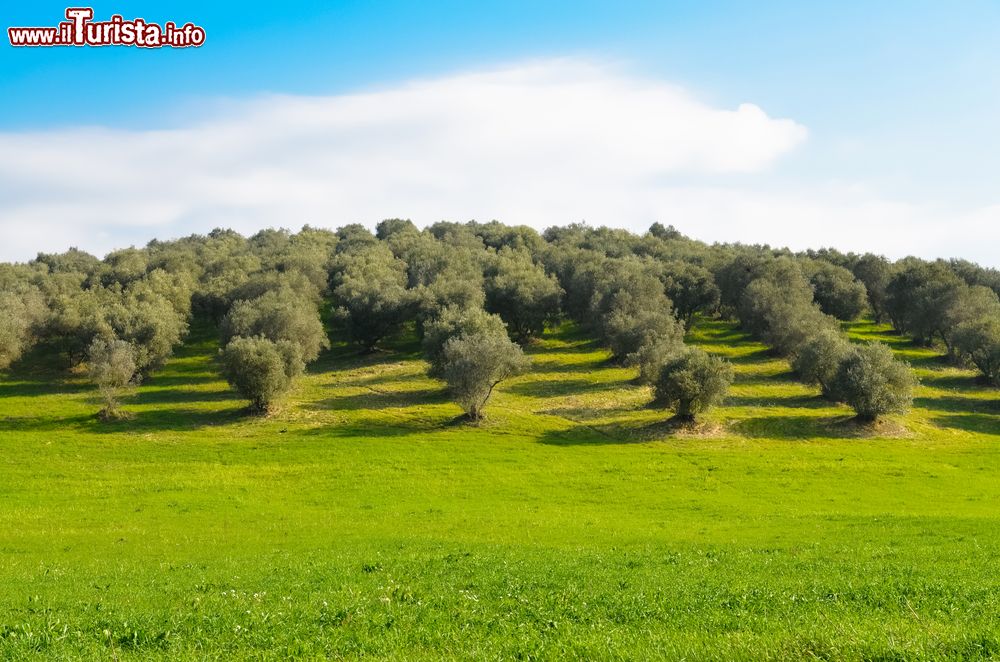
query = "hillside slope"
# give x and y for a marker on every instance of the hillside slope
(363, 519)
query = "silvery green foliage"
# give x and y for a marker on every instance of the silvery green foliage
(474, 363)
(873, 383)
(837, 291)
(817, 360)
(370, 293)
(112, 367)
(692, 381)
(978, 339)
(278, 315)
(452, 322)
(261, 370)
(690, 288)
(521, 293)
(21, 314)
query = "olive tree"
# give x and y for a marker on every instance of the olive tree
(112, 367)
(874, 271)
(837, 291)
(20, 314)
(626, 286)
(690, 288)
(978, 340)
(873, 383)
(370, 292)
(474, 363)
(692, 382)
(439, 275)
(966, 308)
(652, 354)
(918, 296)
(278, 315)
(452, 322)
(151, 323)
(818, 358)
(260, 369)
(522, 294)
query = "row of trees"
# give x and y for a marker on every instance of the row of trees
(779, 306)
(120, 317)
(478, 292)
(950, 303)
(947, 303)
(624, 301)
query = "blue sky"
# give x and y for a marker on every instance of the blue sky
(899, 100)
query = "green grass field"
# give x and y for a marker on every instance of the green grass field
(363, 520)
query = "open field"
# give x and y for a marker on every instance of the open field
(362, 520)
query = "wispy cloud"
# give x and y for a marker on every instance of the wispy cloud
(539, 143)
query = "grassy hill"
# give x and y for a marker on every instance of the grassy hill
(363, 520)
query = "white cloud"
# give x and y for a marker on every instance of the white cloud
(541, 143)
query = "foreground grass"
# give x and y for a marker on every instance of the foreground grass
(362, 520)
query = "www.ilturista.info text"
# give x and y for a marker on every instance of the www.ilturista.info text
(81, 30)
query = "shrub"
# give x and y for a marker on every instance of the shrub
(692, 382)
(474, 363)
(111, 366)
(873, 383)
(260, 369)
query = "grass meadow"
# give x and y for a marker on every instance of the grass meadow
(364, 519)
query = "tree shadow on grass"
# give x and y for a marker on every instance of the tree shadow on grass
(362, 426)
(953, 381)
(382, 399)
(784, 376)
(935, 362)
(540, 388)
(808, 401)
(183, 379)
(47, 423)
(809, 427)
(373, 380)
(175, 419)
(603, 434)
(545, 363)
(719, 332)
(754, 357)
(19, 387)
(581, 414)
(142, 420)
(589, 435)
(181, 395)
(959, 404)
(38, 373)
(978, 423)
(344, 355)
